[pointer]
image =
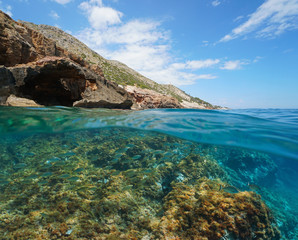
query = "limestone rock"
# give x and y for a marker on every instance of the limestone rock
(14, 101)
(22, 45)
(34, 67)
(61, 81)
(188, 104)
(145, 99)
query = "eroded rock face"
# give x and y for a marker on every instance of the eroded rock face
(22, 45)
(61, 81)
(145, 99)
(34, 67)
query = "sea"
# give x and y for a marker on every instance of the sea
(73, 173)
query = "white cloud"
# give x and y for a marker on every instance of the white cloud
(205, 43)
(138, 43)
(196, 64)
(257, 59)
(288, 51)
(145, 58)
(170, 75)
(201, 63)
(206, 76)
(88, 5)
(145, 46)
(100, 16)
(215, 3)
(226, 38)
(54, 15)
(62, 1)
(7, 9)
(135, 32)
(271, 19)
(238, 18)
(232, 65)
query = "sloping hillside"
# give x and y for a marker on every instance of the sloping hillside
(117, 71)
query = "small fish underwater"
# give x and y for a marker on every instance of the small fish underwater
(254, 187)
(155, 174)
(229, 189)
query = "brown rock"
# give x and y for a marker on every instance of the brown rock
(20, 44)
(37, 69)
(60, 81)
(145, 98)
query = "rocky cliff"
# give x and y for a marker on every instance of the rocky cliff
(36, 68)
(118, 72)
(50, 67)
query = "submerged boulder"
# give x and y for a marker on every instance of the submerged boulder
(202, 211)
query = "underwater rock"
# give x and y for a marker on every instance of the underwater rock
(68, 186)
(252, 166)
(202, 212)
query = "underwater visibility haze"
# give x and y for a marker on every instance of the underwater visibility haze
(70, 173)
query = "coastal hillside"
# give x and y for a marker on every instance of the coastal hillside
(43, 65)
(35, 71)
(120, 73)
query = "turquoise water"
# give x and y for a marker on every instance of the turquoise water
(68, 173)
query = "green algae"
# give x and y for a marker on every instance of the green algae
(112, 183)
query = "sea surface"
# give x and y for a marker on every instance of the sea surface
(72, 173)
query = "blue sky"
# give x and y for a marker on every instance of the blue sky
(239, 54)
